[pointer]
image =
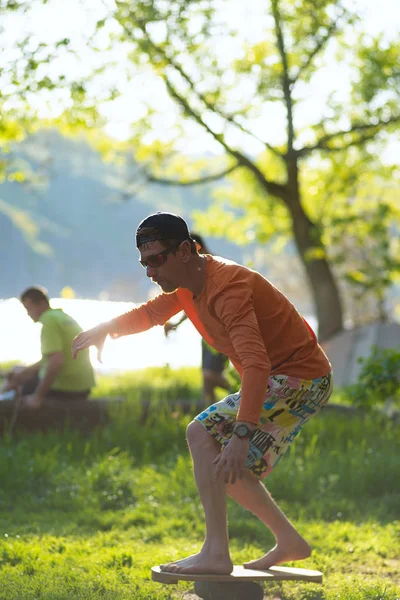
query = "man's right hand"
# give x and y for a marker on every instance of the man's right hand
(92, 337)
(168, 326)
(13, 380)
(9, 384)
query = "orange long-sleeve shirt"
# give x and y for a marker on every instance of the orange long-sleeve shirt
(242, 315)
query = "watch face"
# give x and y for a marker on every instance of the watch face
(241, 430)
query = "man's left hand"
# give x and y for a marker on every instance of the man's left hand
(32, 401)
(230, 463)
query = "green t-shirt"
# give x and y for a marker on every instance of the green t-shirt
(57, 334)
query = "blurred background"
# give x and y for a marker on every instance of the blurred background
(272, 127)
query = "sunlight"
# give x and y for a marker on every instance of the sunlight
(21, 337)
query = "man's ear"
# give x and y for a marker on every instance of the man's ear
(185, 250)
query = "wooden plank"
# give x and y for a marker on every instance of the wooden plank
(239, 573)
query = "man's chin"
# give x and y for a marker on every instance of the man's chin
(167, 288)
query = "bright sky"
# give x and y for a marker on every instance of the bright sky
(74, 18)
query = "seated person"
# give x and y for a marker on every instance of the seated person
(56, 375)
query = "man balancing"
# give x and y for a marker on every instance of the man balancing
(286, 379)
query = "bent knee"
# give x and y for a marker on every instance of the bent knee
(196, 434)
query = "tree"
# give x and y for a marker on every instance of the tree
(32, 76)
(184, 43)
(365, 250)
(231, 83)
(21, 77)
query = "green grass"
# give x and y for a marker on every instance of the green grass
(86, 518)
(154, 382)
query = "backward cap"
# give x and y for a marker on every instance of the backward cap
(168, 225)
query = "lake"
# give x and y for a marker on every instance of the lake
(20, 337)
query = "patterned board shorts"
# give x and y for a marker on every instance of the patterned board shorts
(289, 403)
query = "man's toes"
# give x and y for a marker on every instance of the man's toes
(170, 568)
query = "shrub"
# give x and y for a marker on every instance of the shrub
(379, 378)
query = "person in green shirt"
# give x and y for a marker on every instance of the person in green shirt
(56, 375)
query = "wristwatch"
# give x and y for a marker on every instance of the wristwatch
(242, 431)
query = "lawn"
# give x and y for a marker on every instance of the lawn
(86, 518)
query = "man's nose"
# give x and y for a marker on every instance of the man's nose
(150, 271)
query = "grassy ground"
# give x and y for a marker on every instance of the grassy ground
(86, 518)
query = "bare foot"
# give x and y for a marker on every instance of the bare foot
(200, 563)
(293, 548)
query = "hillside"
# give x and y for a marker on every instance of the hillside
(77, 228)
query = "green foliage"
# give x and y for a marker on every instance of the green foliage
(153, 382)
(5, 366)
(35, 77)
(220, 79)
(243, 212)
(358, 215)
(379, 378)
(86, 517)
(112, 479)
(380, 66)
(233, 378)
(234, 103)
(363, 243)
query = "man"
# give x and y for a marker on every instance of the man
(213, 363)
(56, 375)
(286, 379)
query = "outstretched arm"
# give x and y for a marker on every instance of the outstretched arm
(154, 312)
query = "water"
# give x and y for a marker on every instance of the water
(20, 337)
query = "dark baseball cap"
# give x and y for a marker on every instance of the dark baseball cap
(168, 225)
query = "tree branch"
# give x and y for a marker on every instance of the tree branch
(276, 189)
(286, 80)
(370, 130)
(160, 180)
(273, 188)
(229, 118)
(319, 46)
(216, 110)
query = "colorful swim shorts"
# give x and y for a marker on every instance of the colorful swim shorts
(289, 403)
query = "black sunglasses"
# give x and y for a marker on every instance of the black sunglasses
(156, 260)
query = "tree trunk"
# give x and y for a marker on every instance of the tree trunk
(325, 292)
